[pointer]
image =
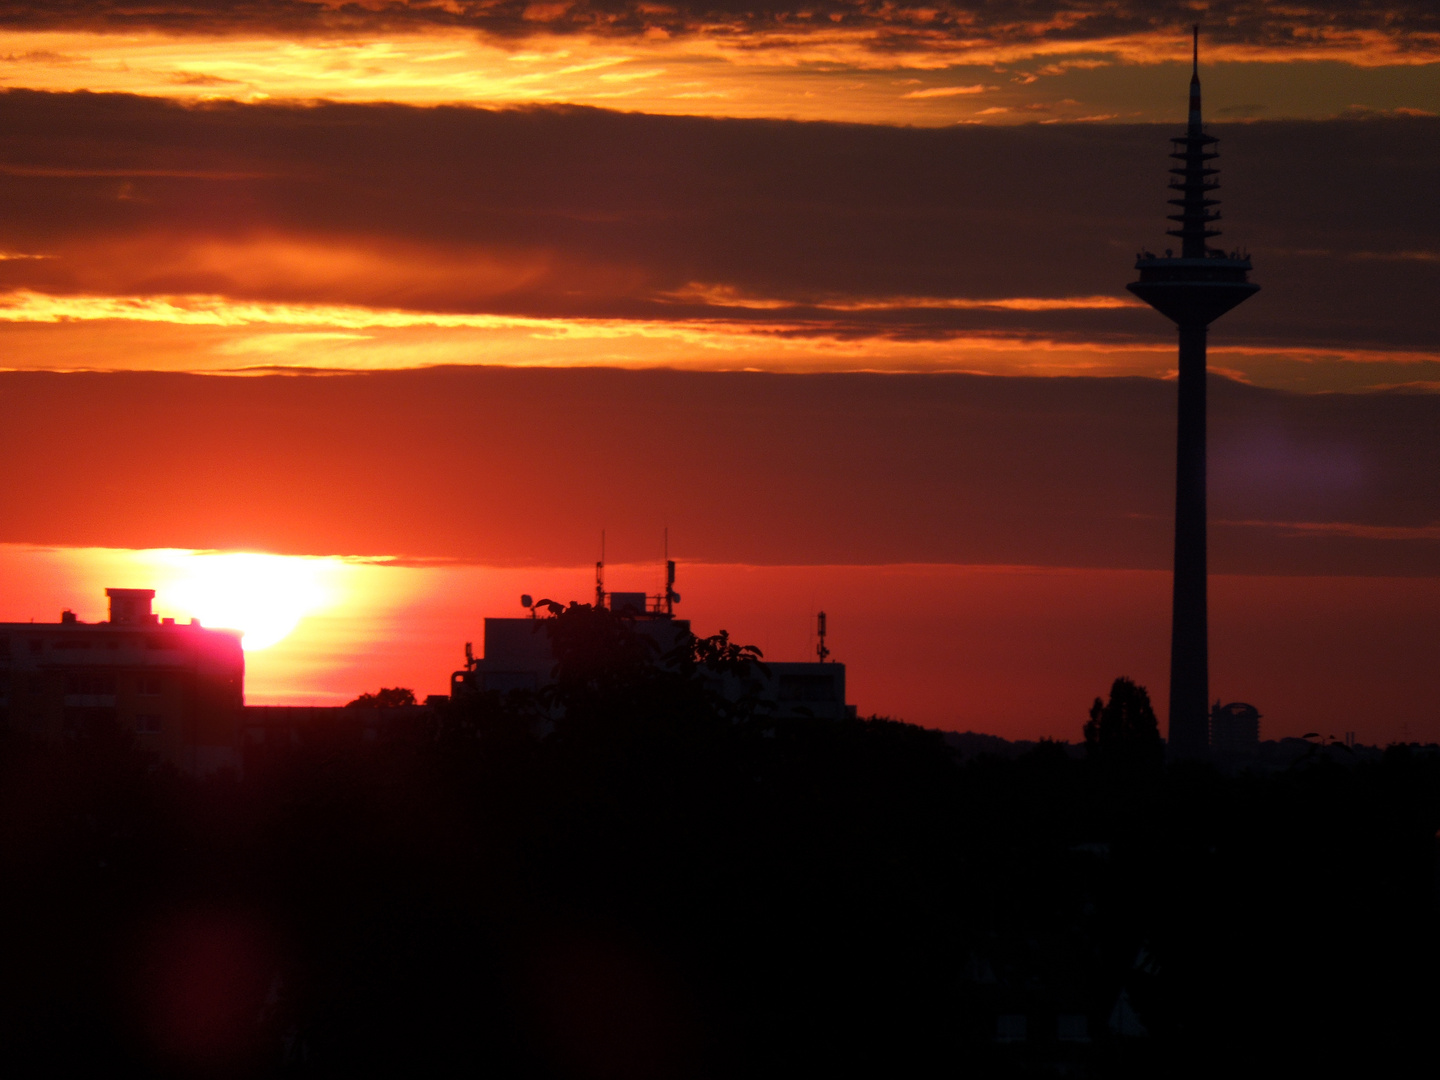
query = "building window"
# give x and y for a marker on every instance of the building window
(1010, 1028)
(147, 724)
(807, 688)
(76, 683)
(150, 686)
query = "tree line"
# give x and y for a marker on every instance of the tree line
(636, 873)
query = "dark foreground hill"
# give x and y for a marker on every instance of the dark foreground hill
(633, 878)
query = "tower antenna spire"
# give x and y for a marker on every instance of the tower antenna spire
(1192, 290)
(1193, 128)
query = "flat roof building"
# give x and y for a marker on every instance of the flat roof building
(517, 656)
(177, 687)
(1234, 731)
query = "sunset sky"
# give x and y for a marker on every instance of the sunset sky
(422, 296)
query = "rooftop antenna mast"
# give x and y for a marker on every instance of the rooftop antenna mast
(820, 650)
(600, 574)
(671, 596)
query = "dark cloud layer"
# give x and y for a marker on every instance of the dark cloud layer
(579, 212)
(1009, 21)
(526, 466)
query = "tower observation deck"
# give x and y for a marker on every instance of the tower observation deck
(1192, 289)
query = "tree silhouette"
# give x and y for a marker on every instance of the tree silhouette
(613, 679)
(1123, 732)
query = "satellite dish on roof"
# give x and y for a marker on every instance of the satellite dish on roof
(525, 600)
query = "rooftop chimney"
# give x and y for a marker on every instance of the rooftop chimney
(131, 607)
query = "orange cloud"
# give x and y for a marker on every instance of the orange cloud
(380, 272)
(724, 296)
(444, 235)
(195, 333)
(1236, 22)
(948, 91)
(784, 68)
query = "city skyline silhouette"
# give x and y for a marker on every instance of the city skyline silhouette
(338, 342)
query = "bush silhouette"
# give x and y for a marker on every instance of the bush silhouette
(388, 697)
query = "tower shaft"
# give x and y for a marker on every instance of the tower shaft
(1189, 620)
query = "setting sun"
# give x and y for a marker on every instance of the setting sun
(265, 596)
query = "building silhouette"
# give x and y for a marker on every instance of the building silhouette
(177, 687)
(517, 656)
(1234, 731)
(1192, 289)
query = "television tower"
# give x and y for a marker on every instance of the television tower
(1192, 290)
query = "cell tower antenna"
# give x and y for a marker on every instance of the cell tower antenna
(600, 574)
(671, 596)
(820, 650)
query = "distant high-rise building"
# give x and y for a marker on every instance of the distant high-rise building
(1234, 730)
(1192, 289)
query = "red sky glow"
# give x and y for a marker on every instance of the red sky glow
(1006, 650)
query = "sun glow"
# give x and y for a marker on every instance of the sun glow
(265, 596)
(315, 627)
